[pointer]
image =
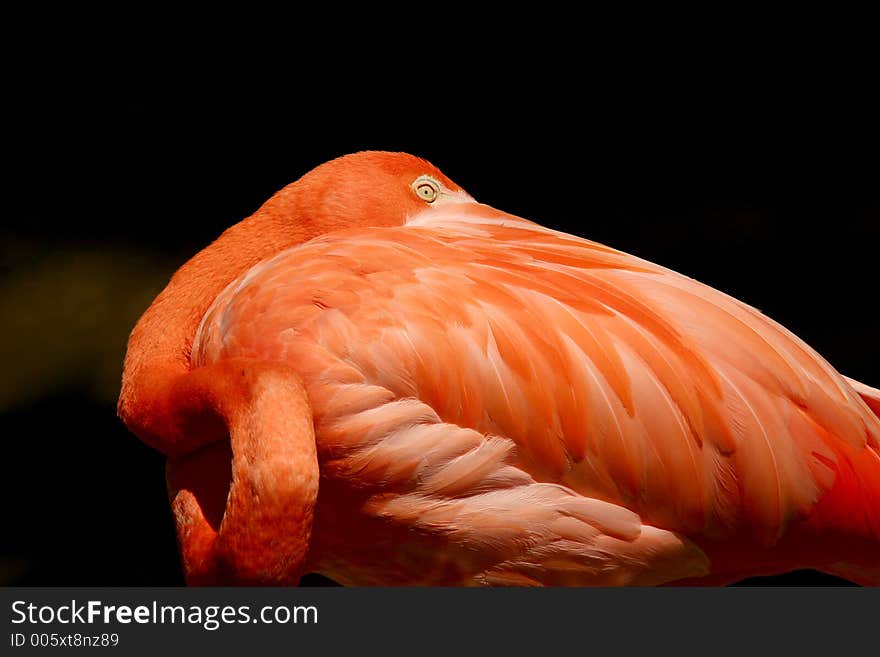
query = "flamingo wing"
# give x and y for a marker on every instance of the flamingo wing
(550, 369)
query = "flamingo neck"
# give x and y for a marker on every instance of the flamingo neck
(159, 347)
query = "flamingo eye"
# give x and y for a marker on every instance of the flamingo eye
(426, 188)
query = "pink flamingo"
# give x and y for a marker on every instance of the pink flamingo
(379, 379)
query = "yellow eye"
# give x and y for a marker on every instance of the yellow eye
(426, 188)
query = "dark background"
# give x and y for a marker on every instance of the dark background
(767, 195)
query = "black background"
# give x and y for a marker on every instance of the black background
(763, 191)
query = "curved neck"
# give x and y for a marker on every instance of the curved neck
(160, 344)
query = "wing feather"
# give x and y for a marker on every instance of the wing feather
(607, 374)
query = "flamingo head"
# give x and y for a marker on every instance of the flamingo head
(369, 188)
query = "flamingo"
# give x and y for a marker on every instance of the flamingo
(377, 378)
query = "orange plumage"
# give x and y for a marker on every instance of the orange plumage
(376, 378)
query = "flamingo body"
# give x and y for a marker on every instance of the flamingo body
(488, 401)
